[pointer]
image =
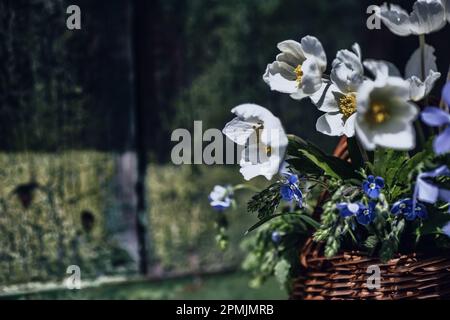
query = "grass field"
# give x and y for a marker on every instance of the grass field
(215, 287)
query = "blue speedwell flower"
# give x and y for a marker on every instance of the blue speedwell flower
(405, 208)
(349, 209)
(221, 197)
(290, 190)
(364, 214)
(435, 117)
(372, 186)
(276, 237)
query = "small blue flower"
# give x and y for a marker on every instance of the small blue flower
(436, 117)
(289, 189)
(372, 186)
(221, 197)
(405, 208)
(276, 237)
(364, 214)
(367, 214)
(348, 209)
(446, 93)
(426, 191)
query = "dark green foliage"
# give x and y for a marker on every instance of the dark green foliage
(266, 202)
(310, 155)
(267, 258)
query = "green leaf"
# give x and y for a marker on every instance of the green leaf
(434, 223)
(308, 220)
(371, 242)
(281, 272)
(389, 245)
(355, 153)
(388, 248)
(387, 162)
(320, 163)
(443, 182)
(263, 221)
(412, 164)
(304, 165)
(265, 202)
(332, 166)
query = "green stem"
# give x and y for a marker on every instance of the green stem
(362, 150)
(318, 182)
(245, 187)
(420, 133)
(422, 61)
(422, 56)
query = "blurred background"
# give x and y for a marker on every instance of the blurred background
(86, 118)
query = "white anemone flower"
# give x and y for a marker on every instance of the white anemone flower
(264, 139)
(427, 16)
(447, 9)
(338, 99)
(220, 197)
(298, 69)
(385, 115)
(420, 88)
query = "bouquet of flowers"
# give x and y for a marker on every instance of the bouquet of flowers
(389, 193)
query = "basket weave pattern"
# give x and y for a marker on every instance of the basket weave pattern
(345, 276)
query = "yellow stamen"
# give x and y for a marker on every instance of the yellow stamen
(299, 73)
(268, 151)
(377, 113)
(347, 105)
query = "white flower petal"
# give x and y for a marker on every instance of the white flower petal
(267, 169)
(348, 72)
(278, 83)
(239, 131)
(396, 135)
(345, 78)
(427, 16)
(326, 98)
(284, 69)
(381, 68)
(292, 47)
(255, 159)
(273, 134)
(299, 95)
(405, 112)
(349, 126)
(365, 135)
(218, 193)
(312, 76)
(250, 111)
(419, 89)
(395, 130)
(357, 49)
(331, 124)
(396, 19)
(250, 171)
(312, 48)
(447, 9)
(289, 59)
(397, 87)
(414, 66)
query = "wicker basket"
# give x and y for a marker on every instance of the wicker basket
(345, 277)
